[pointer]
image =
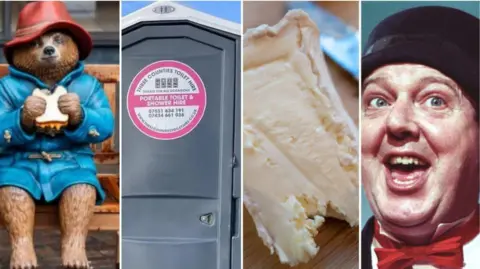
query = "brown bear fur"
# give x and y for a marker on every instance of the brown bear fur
(27, 57)
(17, 208)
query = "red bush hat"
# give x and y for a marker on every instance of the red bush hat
(37, 18)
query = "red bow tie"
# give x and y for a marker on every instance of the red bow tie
(443, 254)
(446, 252)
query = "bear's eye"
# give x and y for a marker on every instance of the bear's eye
(36, 43)
(58, 39)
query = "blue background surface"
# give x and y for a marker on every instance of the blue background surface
(373, 13)
(227, 10)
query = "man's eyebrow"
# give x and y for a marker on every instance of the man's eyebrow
(381, 80)
(440, 80)
(374, 80)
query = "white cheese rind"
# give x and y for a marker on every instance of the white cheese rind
(300, 145)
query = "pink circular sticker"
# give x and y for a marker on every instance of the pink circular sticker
(166, 100)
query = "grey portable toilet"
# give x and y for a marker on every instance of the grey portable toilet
(180, 139)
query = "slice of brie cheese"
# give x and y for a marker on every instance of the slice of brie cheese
(300, 145)
(52, 118)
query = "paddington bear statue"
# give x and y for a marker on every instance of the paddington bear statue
(50, 161)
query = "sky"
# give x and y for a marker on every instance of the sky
(227, 10)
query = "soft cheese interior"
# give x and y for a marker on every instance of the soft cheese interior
(300, 145)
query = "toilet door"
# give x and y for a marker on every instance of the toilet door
(177, 173)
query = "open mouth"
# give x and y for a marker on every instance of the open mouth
(406, 173)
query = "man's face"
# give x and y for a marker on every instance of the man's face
(419, 148)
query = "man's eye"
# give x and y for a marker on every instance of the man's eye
(435, 101)
(378, 102)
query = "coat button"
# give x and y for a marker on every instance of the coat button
(93, 132)
(7, 136)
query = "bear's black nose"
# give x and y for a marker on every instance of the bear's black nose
(49, 50)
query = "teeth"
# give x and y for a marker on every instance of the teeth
(406, 161)
(403, 182)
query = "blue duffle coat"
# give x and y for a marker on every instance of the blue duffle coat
(46, 180)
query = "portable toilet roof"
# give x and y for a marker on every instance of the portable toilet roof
(173, 11)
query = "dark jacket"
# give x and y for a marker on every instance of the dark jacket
(367, 239)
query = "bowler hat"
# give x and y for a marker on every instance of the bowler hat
(37, 18)
(442, 38)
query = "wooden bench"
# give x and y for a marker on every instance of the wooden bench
(106, 217)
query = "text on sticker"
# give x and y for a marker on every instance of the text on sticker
(166, 100)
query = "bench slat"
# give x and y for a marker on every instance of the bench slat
(106, 207)
(99, 222)
(106, 158)
(110, 183)
(105, 73)
(110, 91)
(106, 217)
